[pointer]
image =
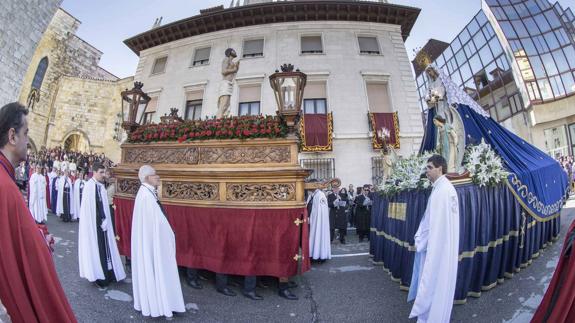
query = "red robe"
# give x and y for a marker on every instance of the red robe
(558, 304)
(29, 286)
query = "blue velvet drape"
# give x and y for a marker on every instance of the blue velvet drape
(497, 237)
(538, 180)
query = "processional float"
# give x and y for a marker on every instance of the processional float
(232, 187)
(510, 193)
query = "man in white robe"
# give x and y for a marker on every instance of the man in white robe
(65, 205)
(78, 192)
(98, 255)
(37, 201)
(155, 278)
(319, 234)
(437, 244)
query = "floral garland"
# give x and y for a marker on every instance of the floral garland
(407, 174)
(244, 127)
(484, 165)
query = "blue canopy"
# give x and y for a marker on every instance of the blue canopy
(537, 180)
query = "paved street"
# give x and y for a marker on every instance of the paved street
(346, 289)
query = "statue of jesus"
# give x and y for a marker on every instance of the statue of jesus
(229, 71)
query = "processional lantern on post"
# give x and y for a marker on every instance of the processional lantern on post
(288, 88)
(134, 103)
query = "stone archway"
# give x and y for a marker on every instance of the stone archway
(76, 142)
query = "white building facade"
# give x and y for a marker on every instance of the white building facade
(354, 65)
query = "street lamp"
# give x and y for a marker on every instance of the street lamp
(288, 88)
(134, 102)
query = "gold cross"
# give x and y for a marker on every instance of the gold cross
(298, 222)
(297, 257)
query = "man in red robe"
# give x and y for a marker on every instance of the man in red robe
(29, 286)
(558, 304)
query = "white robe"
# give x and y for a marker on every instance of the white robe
(155, 278)
(60, 205)
(437, 244)
(319, 234)
(76, 195)
(37, 200)
(51, 176)
(88, 250)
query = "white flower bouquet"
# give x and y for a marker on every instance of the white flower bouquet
(484, 165)
(408, 173)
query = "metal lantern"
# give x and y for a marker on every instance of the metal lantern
(134, 103)
(288, 88)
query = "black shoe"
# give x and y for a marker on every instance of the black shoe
(253, 296)
(342, 241)
(262, 284)
(226, 291)
(193, 283)
(287, 294)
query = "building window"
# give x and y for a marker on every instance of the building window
(253, 48)
(202, 56)
(150, 111)
(368, 45)
(249, 108)
(556, 141)
(160, 65)
(323, 168)
(249, 98)
(193, 110)
(40, 72)
(311, 45)
(378, 98)
(315, 106)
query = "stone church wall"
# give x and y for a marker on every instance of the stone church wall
(22, 24)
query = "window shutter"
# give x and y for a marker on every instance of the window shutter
(253, 48)
(368, 45)
(160, 65)
(202, 55)
(311, 44)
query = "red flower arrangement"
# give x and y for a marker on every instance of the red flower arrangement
(244, 127)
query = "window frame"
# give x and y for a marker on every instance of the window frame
(249, 103)
(194, 105)
(207, 61)
(262, 54)
(155, 64)
(315, 106)
(302, 36)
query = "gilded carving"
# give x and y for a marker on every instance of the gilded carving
(191, 191)
(145, 155)
(128, 186)
(261, 192)
(245, 155)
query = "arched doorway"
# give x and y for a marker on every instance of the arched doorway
(31, 146)
(76, 142)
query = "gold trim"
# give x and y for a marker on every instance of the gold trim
(329, 146)
(526, 208)
(484, 288)
(375, 144)
(464, 254)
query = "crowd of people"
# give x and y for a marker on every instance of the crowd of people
(568, 164)
(337, 209)
(54, 180)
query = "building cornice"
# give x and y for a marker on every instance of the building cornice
(276, 12)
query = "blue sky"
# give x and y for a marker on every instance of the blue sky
(107, 23)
